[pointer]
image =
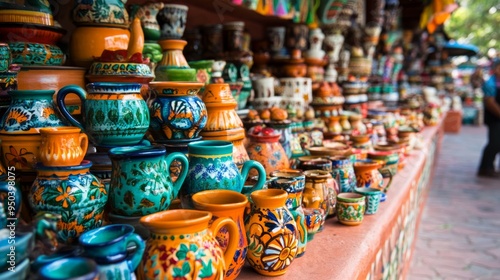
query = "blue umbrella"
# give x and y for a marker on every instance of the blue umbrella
(457, 49)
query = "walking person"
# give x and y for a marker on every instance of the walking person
(491, 89)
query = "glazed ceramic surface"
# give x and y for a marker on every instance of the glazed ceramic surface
(343, 172)
(211, 166)
(24, 243)
(114, 113)
(71, 269)
(369, 176)
(62, 146)
(316, 191)
(285, 129)
(314, 221)
(231, 204)
(350, 208)
(268, 151)
(293, 182)
(183, 245)
(101, 12)
(272, 233)
(74, 193)
(36, 54)
(140, 179)
(221, 109)
(373, 197)
(147, 14)
(20, 151)
(108, 246)
(172, 21)
(177, 113)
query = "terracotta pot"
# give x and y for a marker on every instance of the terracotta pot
(62, 146)
(370, 174)
(268, 151)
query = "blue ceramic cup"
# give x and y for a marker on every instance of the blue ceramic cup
(69, 269)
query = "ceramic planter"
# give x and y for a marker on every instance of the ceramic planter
(350, 208)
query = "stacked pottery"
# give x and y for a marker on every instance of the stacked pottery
(101, 25)
(8, 75)
(64, 184)
(223, 123)
(327, 104)
(265, 95)
(297, 93)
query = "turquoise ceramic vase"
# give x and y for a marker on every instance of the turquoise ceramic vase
(108, 247)
(211, 166)
(72, 192)
(115, 114)
(140, 179)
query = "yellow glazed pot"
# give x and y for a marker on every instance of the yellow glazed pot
(90, 41)
(182, 245)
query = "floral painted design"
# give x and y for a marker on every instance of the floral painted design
(21, 159)
(280, 252)
(350, 213)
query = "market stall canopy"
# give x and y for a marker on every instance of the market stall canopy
(458, 49)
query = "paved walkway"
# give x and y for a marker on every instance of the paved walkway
(459, 234)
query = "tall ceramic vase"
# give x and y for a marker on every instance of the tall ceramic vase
(293, 182)
(231, 204)
(272, 233)
(182, 245)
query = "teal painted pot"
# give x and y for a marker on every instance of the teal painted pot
(29, 53)
(21, 272)
(343, 172)
(373, 197)
(108, 247)
(21, 249)
(115, 114)
(211, 166)
(69, 269)
(140, 179)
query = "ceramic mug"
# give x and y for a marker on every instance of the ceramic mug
(63, 146)
(350, 208)
(70, 269)
(373, 197)
(108, 246)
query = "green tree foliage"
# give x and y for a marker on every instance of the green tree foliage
(477, 22)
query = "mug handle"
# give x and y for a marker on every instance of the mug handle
(135, 259)
(84, 142)
(184, 162)
(61, 104)
(386, 173)
(234, 237)
(249, 164)
(7, 187)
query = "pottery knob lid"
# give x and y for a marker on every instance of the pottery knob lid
(324, 90)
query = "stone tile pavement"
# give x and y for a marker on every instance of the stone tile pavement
(459, 234)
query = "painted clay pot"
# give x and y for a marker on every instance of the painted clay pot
(369, 174)
(211, 166)
(222, 204)
(203, 70)
(373, 197)
(72, 192)
(177, 113)
(285, 129)
(147, 14)
(343, 172)
(108, 246)
(316, 191)
(173, 61)
(107, 12)
(62, 146)
(314, 221)
(268, 151)
(350, 208)
(390, 159)
(114, 114)
(172, 21)
(70, 269)
(187, 245)
(293, 182)
(29, 53)
(272, 233)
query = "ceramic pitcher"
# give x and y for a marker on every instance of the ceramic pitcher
(115, 114)
(369, 174)
(182, 245)
(211, 166)
(108, 247)
(231, 204)
(62, 146)
(140, 179)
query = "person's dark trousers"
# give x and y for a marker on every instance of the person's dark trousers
(492, 148)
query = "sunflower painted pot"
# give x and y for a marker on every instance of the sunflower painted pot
(74, 193)
(114, 114)
(272, 233)
(177, 113)
(182, 245)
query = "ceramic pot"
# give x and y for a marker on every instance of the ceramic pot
(70, 269)
(140, 182)
(314, 221)
(373, 197)
(232, 34)
(276, 39)
(343, 172)
(293, 182)
(115, 114)
(230, 204)
(108, 246)
(5, 57)
(187, 244)
(102, 13)
(203, 70)
(389, 159)
(350, 208)
(296, 37)
(177, 111)
(285, 129)
(29, 53)
(212, 40)
(369, 174)
(147, 14)
(173, 63)
(88, 42)
(8, 82)
(72, 192)
(316, 191)
(272, 233)
(211, 166)
(264, 87)
(172, 21)
(62, 146)
(268, 151)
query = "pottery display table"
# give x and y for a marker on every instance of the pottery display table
(381, 247)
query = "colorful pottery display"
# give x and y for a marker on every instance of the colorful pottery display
(293, 182)
(272, 233)
(62, 146)
(211, 166)
(140, 182)
(114, 113)
(267, 150)
(108, 245)
(350, 208)
(187, 245)
(343, 171)
(72, 192)
(177, 112)
(373, 197)
(231, 204)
